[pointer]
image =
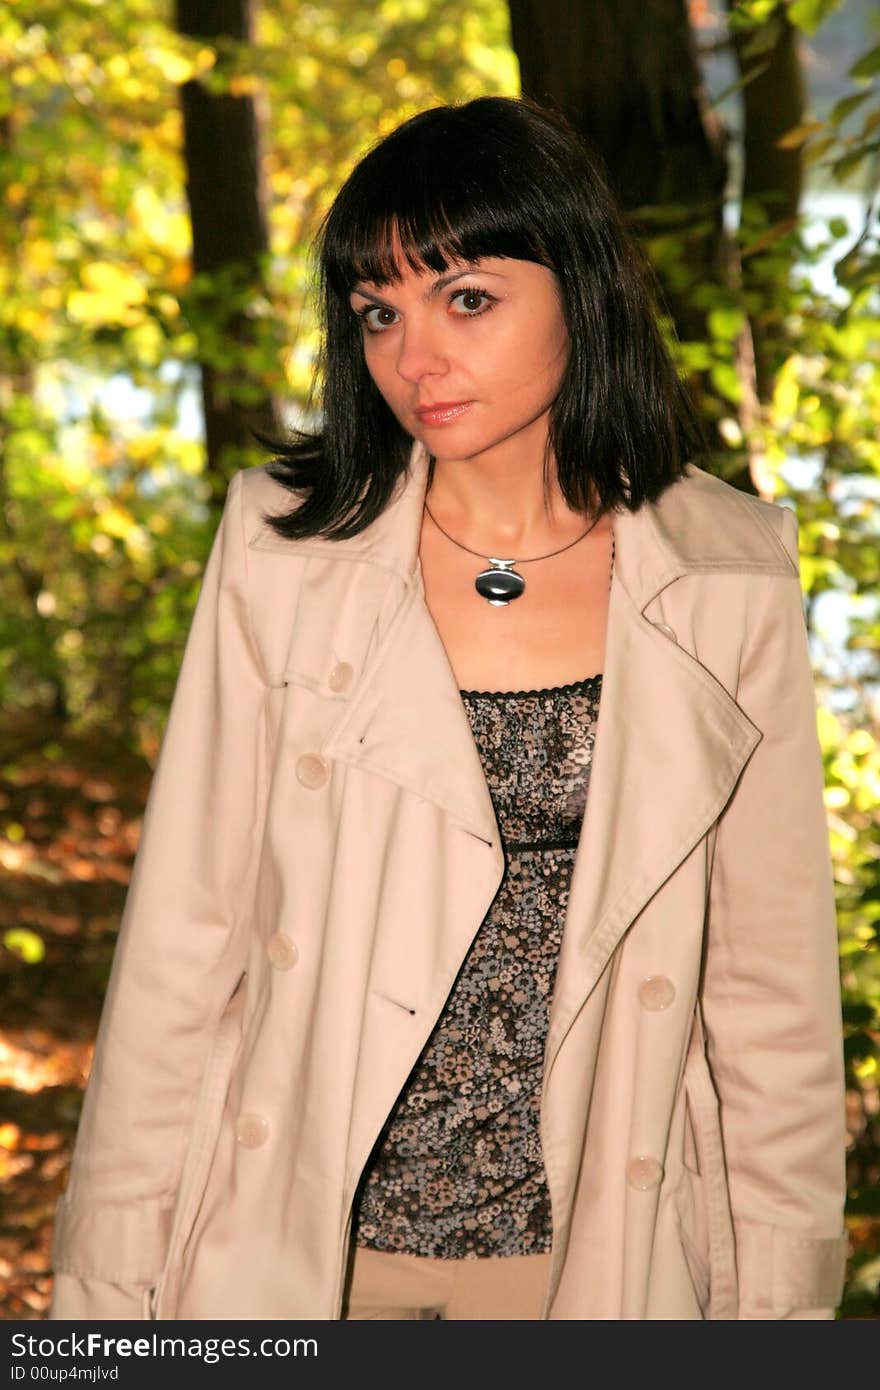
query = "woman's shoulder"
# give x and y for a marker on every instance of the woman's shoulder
(709, 524)
(261, 496)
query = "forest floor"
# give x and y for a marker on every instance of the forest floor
(70, 819)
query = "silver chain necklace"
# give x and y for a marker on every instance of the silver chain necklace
(501, 583)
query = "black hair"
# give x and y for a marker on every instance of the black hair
(497, 176)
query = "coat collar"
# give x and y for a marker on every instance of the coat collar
(654, 546)
(671, 742)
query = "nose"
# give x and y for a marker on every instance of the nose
(421, 352)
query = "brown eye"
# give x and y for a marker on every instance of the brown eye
(473, 302)
(374, 325)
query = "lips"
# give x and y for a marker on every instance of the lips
(441, 412)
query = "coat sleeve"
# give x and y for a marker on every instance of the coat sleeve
(771, 992)
(179, 956)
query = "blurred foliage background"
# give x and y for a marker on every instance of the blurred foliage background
(163, 168)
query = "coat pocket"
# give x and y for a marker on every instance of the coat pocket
(204, 1131)
(702, 1199)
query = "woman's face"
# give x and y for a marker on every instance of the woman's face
(470, 360)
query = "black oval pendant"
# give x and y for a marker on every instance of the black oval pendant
(499, 586)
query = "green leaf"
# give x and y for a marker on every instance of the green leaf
(841, 109)
(848, 162)
(838, 226)
(726, 381)
(809, 15)
(868, 65)
(726, 322)
(814, 150)
(763, 39)
(739, 84)
(749, 14)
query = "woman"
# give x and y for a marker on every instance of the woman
(479, 958)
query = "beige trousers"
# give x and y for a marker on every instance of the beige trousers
(385, 1286)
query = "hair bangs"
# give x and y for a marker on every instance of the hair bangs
(374, 248)
(432, 212)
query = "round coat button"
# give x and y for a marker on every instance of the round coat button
(340, 677)
(667, 631)
(252, 1131)
(281, 951)
(312, 770)
(644, 1173)
(656, 992)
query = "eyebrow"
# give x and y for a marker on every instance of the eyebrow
(436, 287)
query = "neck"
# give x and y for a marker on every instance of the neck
(500, 505)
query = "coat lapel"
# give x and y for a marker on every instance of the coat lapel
(670, 746)
(364, 603)
(671, 742)
(408, 723)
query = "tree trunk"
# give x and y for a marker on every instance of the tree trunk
(627, 77)
(773, 102)
(230, 240)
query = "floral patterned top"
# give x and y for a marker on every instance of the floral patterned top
(457, 1171)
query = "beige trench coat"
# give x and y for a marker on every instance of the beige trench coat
(318, 852)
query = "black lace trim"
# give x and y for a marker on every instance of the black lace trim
(544, 690)
(515, 846)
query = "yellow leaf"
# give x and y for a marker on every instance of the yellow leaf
(117, 66)
(162, 227)
(147, 341)
(860, 742)
(112, 295)
(142, 447)
(116, 520)
(138, 542)
(243, 85)
(785, 397)
(38, 326)
(827, 726)
(133, 89)
(168, 306)
(94, 229)
(798, 134)
(73, 472)
(9, 1136)
(106, 278)
(95, 309)
(39, 255)
(25, 944)
(174, 67)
